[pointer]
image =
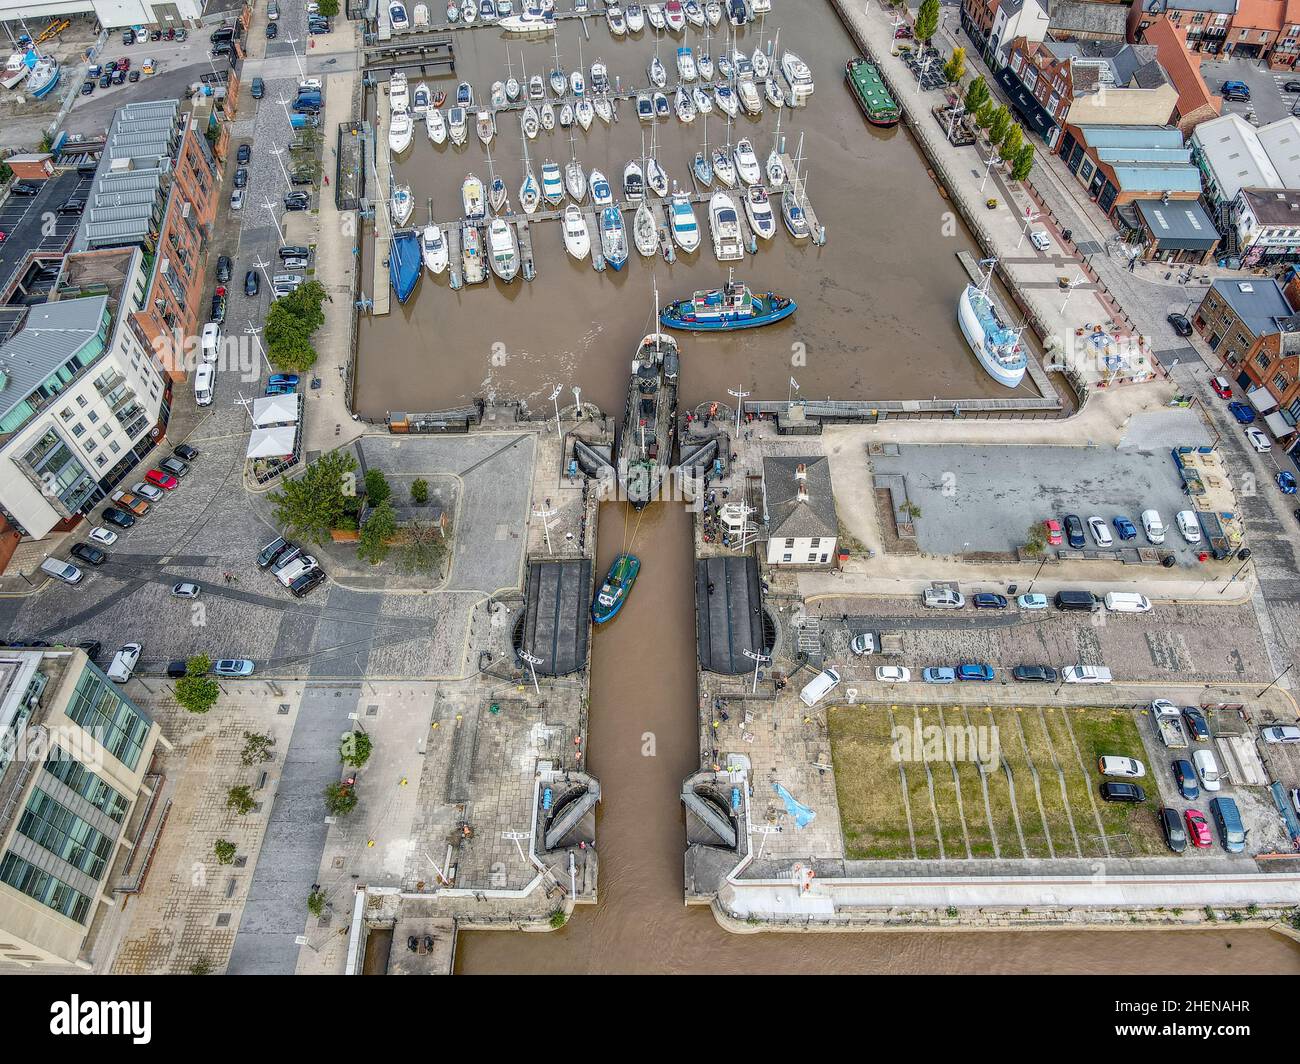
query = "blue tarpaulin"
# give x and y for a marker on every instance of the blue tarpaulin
(803, 816)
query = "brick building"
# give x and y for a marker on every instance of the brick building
(1196, 103)
(1205, 22)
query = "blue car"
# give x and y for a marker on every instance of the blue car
(1243, 413)
(280, 389)
(1185, 777)
(1124, 528)
(939, 675)
(1286, 482)
(290, 379)
(986, 600)
(974, 672)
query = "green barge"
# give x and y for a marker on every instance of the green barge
(868, 88)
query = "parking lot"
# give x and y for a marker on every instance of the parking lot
(1268, 99)
(982, 500)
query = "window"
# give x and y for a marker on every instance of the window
(56, 828)
(115, 447)
(92, 417)
(100, 461)
(91, 446)
(789, 543)
(1263, 361)
(1281, 381)
(120, 728)
(812, 557)
(815, 542)
(78, 430)
(81, 401)
(44, 888)
(66, 413)
(105, 432)
(787, 557)
(79, 779)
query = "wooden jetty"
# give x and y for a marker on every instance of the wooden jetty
(381, 288)
(527, 266)
(593, 232)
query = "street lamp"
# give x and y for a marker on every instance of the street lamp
(988, 168)
(758, 660)
(252, 330)
(1244, 562)
(532, 667)
(1070, 290)
(1275, 680)
(740, 397)
(1030, 218)
(555, 398)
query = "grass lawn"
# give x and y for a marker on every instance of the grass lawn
(867, 784)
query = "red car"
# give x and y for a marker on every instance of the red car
(124, 63)
(1221, 387)
(1053, 529)
(161, 479)
(1197, 829)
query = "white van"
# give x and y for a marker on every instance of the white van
(1126, 602)
(820, 686)
(61, 570)
(1086, 674)
(211, 343)
(301, 564)
(203, 377)
(942, 598)
(1153, 526)
(124, 663)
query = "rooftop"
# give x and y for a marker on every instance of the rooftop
(1114, 64)
(1217, 7)
(1084, 19)
(1259, 302)
(792, 512)
(1234, 154)
(1179, 224)
(1144, 158)
(52, 334)
(1274, 206)
(1258, 14)
(1182, 67)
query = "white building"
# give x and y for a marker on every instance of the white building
(1232, 155)
(1016, 18)
(113, 14)
(82, 399)
(799, 511)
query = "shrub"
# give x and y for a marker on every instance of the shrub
(420, 492)
(225, 851)
(241, 800)
(355, 749)
(340, 800)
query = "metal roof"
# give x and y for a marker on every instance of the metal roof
(52, 334)
(1179, 224)
(1234, 155)
(1259, 302)
(1105, 136)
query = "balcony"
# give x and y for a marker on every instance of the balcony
(105, 385)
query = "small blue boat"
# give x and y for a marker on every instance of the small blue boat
(613, 237)
(614, 591)
(404, 259)
(731, 307)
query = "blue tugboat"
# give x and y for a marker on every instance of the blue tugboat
(731, 307)
(614, 591)
(404, 258)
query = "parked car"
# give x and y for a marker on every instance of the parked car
(1124, 528)
(1286, 482)
(1234, 90)
(121, 518)
(233, 667)
(237, 200)
(1241, 412)
(1115, 765)
(174, 465)
(24, 188)
(124, 663)
(1122, 792)
(128, 501)
(1086, 674)
(1291, 86)
(971, 671)
(186, 589)
(1197, 726)
(302, 177)
(1100, 533)
(259, 88)
(272, 552)
(88, 554)
(296, 201)
(105, 81)
(1280, 733)
(185, 451)
(942, 598)
(1032, 602)
(177, 669)
(1208, 769)
(133, 76)
(986, 600)
(941, 674)
(1181, 325)
(163, 480)
(241, 177)
(291, 379)
(243, 154)
(106, 536)
(1258, 440)
(1035, 674)
(252, 283)
(92, 647)
(1041, 240)
(1185, 778)
(1074, 531)
(307, 583)
(271, 31)
(1153, 526)
(1198, 828)
(1227, 818)
(71, 206)
(294, 251)
(294, 264)
(280, 389)
(87, 87)
(893, 674)
(1172, 826)
(1221, 387)
(147, 491)
(1188, 526)
(1052, 529)
(218, 312)
(223, 268)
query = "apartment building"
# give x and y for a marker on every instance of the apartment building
(157, 189)
(1287, 48)
(1268, 225)
(1205, 22)
(993, 24)
(75, 757)
(1234, 314)
(83, 397)
(1255, 27)
(1270, 378)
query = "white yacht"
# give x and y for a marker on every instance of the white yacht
(434, 248)
(727, 243)
(577, 241)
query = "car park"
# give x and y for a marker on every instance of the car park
(1280, 733)
(1124, 528)
(1243, 413)
(1197, 726)
(1171, 824)
(84, 552)
(1221, 387)
(942, 598)
(1180, 324)
(124, 663)
(1208, 769)
(147, 491)
(1074, 531)
(233, 667)
(1122, 792)
(106, 536)
(893, 674)
(1100, 533)
(986, 600)
(252, 283)
(1286, 482)
(174, 465)
(1258, 440)
(121, 518)
(1035, 674)
(1185, 778)
(939, 674)
(1153, 526)
(186, 589)
(970, 671)
(186, 452)
(1115, 765)
(1032, 602)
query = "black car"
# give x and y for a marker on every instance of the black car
(222, 48)
(1172, 825)
(1181, 325)
(1197, 725)
(106, 81)
(272, 551)
(128, 36)
(1291, 86)
(302, 177)
(133, 76)
(25, 188)
(241, 177)
(88, 554)
(294, 251)
(1035, 673)
(91, 647)
(223, 268)
(1185, 779)
(1074, 531)
(185, 451)
(986, 600)
(296, 201)
(175, 466)
(176, 669)
(87, 87)
(259, 88)
(272, 31)
(121, 518)
(1122, 792)
(252, 285)
(307, 583)
(244, 153)
(218, 309)
(155, 35)
(119, 76)
(318, 27)
(72, 206)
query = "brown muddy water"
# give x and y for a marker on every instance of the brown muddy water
(876, 316)
(643, 692)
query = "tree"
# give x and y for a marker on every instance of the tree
(257, 749)
(927, 20)
(312, 504)
(225, 851)
(316, 901)
(380, 527)
(340, 800)
(984, 114)
(1015, 137)
(910, 510)
(955, 69)
(378, 490)
(420, 492)
(241, 800)
(1024, 163)
(355, 749)
(328, 8)
(424, 549)
(288, 340)
(6, 173)
(196, 690)
(976, 93)
(998, 124)
(305, 303)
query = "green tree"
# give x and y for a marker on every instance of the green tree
(976, 93)
(312, 504)
(927, 20)
(378, 490)
(196, 690)
(355, 749)
(257, 748)
(1010, 146)
(420, 492)
(955, 69)
(316, 902)
(241, 800)
(6, 173)
(225, 851)
(998, 124)
(328, 8)
(424, 548)
(984, 114)
(380, 527)
(1024, 163)
(305, 303)
(340, 800)
(288, 340)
